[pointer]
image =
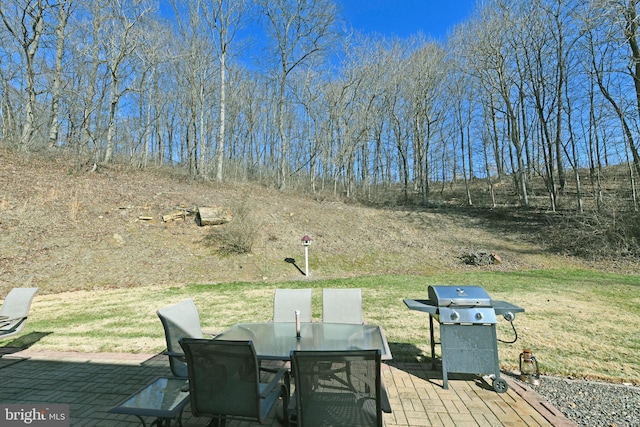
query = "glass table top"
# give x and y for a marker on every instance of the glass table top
(163, 398)
(276, 341)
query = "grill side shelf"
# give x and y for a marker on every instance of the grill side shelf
(421, 305)
(502, 307)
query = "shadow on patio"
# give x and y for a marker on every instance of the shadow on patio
(92, 383)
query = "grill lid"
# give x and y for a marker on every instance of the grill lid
(459, 296)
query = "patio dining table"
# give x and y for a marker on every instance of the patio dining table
(276, 340)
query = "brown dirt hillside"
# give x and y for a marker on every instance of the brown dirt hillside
(63, 228)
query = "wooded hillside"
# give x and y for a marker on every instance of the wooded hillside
(523, 91)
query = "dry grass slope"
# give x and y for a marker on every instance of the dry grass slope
(66, 228)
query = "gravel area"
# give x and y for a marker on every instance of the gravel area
(589, 403)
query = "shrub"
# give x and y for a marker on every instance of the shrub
(597, 236)
(237, 236)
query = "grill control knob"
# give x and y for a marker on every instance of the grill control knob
(455, 315)
(479, 316)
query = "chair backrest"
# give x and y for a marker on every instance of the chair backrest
(16, 308)
(342, 306)
(287, 301)
(179, 321)
(223, 378)
(17, 303)
(325, 396)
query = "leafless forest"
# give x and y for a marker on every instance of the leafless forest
(282, 93)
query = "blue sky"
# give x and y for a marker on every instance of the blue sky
(403, 18)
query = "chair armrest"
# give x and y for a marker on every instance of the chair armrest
(16, 320)
(179, 356)
(11, 319)
(172, 353)
(273, 369)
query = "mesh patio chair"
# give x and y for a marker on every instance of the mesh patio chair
(15, 311)
(179, 321)
(224, 382)
(342, 306)
(287, 301)
(323, 400)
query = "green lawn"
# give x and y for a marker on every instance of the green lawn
(578, 323)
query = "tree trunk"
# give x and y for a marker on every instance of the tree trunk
(631, 30)
(28, 37)
(221, 134)
(63, 17)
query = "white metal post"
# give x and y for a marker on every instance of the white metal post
(306, 261)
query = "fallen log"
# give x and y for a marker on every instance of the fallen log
(212, 216)
(173, 216)
(179, 213)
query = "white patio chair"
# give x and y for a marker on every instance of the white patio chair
(287, 301)
(342, 306)
(15, 310)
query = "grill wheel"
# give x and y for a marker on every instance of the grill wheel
(500, 385)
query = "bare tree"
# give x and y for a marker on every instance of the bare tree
(224, 18)
(603, 40)
(630, 13)
(491, 60)
(25, 21)
(195, 68)
(90, 54)
(8, 69)
(154, 53)
(120, 43)
(428, 68)
(300, 31)
(64, 12)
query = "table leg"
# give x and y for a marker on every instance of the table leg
(141, 420)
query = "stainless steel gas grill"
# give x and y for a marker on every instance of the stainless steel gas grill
(467, 317)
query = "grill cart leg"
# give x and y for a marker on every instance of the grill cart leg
(433, 343)
(445, 377)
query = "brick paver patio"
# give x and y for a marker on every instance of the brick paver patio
(93, 383)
